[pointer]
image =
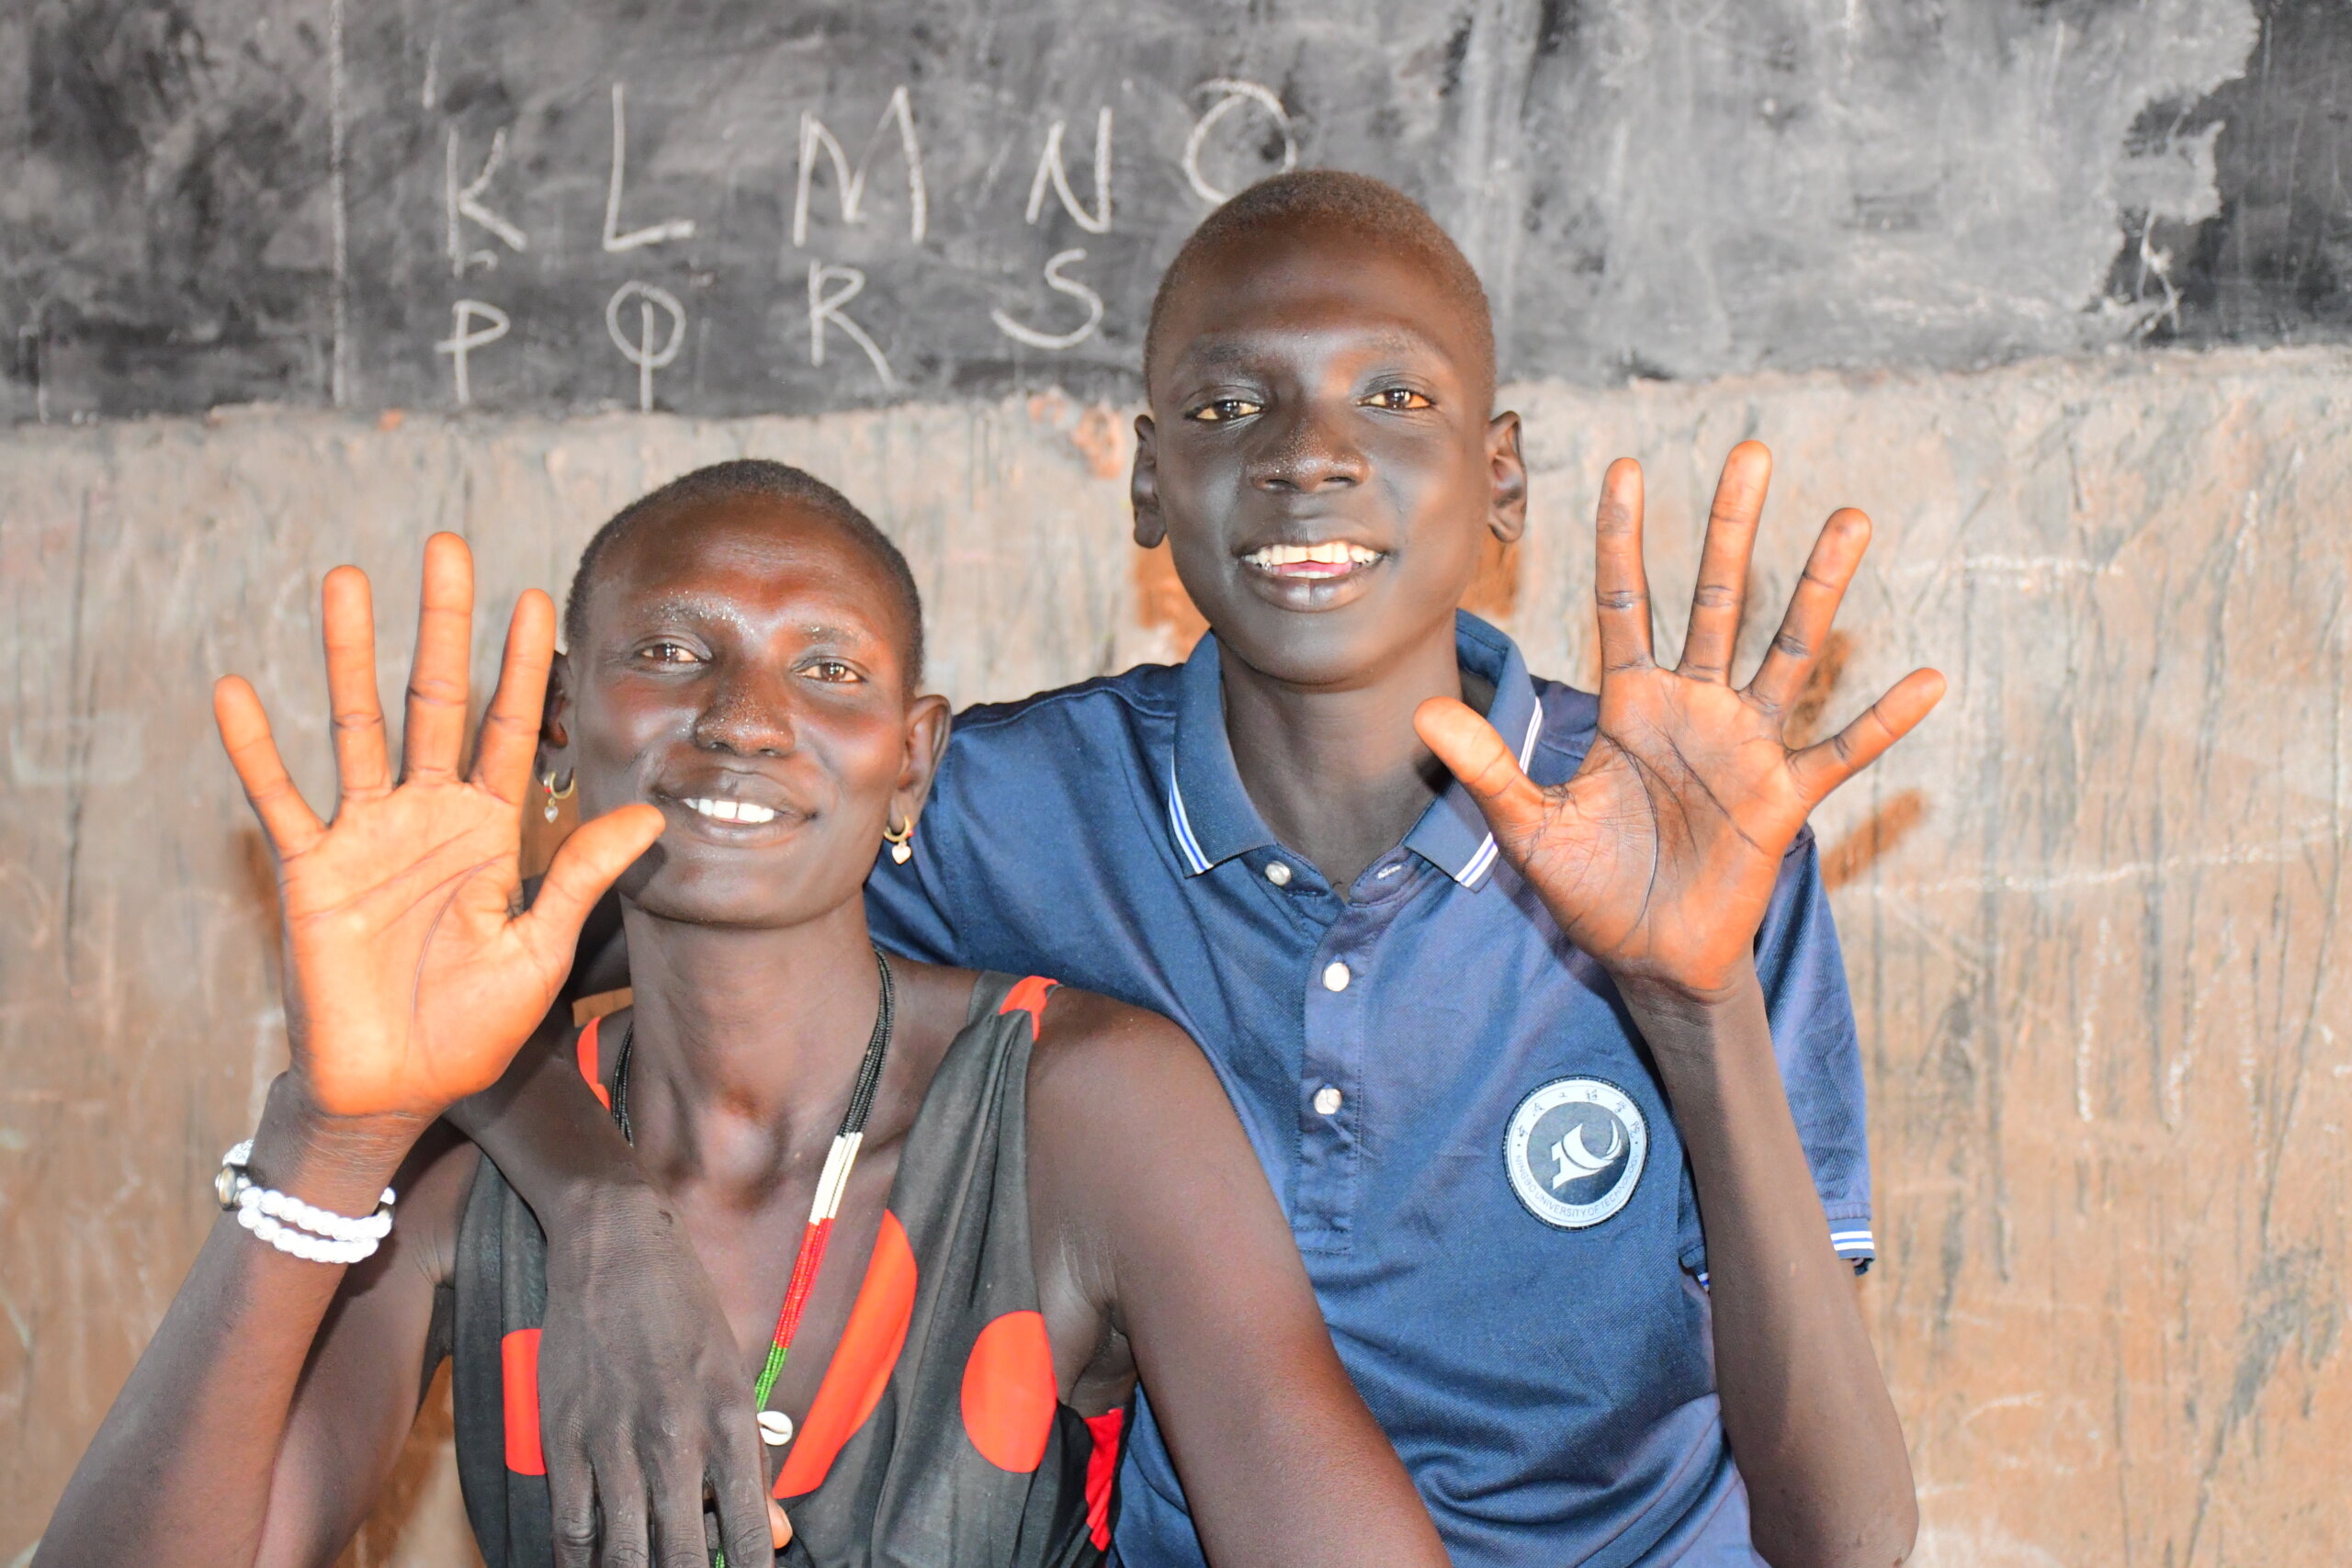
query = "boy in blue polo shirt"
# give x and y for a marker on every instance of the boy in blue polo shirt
(1530, 1000)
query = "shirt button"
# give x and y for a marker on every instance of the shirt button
(1336, 978)
(1326, 1101)
(1278, 874)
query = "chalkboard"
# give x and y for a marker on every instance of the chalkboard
(720, 206)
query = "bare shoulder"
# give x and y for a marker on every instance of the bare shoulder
(1107, 1070)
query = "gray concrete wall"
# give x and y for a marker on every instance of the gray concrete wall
(2092, 912)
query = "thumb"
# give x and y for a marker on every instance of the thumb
(1477, 756)
(779, 1527)
(590, 859)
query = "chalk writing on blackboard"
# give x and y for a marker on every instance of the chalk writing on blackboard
(639, 349)
(652, 233)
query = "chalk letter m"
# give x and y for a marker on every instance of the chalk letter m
(814, 135)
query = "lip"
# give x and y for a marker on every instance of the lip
(697, 808)
(1311, 585)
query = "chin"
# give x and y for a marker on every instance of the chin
(740, 896)
(1328, 648)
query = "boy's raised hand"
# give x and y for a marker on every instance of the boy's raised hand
(1659, 857)
(411, 981)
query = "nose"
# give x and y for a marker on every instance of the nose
(748, 714)
(1312, 449)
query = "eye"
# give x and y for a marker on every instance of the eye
(833, 670)
(1399, 398)
(665, 651)
(1223, 409)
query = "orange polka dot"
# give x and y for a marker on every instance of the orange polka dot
(1009, 1392)
(861, 1363)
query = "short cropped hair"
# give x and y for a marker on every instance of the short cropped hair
(1368, 206)
(748, 478)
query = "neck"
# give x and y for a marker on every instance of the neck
(746, 1045)
(1336, 770)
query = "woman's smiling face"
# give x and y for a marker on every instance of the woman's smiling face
(744, 668)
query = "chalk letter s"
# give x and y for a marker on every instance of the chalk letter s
(1059, 285)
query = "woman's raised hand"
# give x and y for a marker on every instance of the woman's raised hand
(412, 980)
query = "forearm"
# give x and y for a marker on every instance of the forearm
(549, 1137)
(181, 1469)
(1805, 1406)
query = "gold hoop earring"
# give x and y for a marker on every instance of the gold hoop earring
(901, 851)
(570, 787)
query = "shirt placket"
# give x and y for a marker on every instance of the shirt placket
(1341, 1016)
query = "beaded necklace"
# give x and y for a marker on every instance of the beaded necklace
(776, 1426)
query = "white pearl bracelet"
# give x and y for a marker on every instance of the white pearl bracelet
(291, 1225)
(319, 1222)
(302, 1244)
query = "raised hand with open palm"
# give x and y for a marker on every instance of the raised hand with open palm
(1659, 856)
(412, 979)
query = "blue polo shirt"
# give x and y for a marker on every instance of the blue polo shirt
(1450, 1101)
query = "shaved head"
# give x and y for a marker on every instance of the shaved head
(1356, 206)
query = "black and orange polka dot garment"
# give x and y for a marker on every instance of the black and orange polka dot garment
(936, 1435)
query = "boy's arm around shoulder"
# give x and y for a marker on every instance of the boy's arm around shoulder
(1143, 1178)
(640, 1389)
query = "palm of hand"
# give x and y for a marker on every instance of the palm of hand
(1659, 856)
(410, 980)
(403, 950)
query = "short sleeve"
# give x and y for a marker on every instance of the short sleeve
(1804, 975)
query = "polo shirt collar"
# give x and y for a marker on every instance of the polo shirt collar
(1212, 819)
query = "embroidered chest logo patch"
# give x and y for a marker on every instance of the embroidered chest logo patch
(1575, 1151)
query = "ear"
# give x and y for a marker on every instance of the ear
(1143, 486)
(555, 715)
(1505, 479)
(927, 725)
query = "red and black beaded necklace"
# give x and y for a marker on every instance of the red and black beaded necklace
(776, 1428)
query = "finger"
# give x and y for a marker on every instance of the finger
(623, 1539)
(1825, 765)
(1720, 597)
(1805, 629)
(589, 862)
(510, 731)
(1621, 586)
(436, 732)
(779, 1527)
(361, 761)
(285, 816)
(571, 1496)
(678, 1536)
(1469, 745)
(737, 1471)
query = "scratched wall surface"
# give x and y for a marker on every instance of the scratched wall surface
(2092, 913)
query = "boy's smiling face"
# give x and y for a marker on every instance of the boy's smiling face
(1320, 453)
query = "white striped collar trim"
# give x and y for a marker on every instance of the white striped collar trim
(1483, 862)
(1181, 825)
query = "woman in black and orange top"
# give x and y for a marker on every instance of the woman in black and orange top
(953, 1217)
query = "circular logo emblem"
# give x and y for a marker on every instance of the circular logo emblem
(1575, 1151)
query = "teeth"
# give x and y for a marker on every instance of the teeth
(1331, 552)
(731, 810)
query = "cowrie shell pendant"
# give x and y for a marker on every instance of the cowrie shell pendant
(776, 1428)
